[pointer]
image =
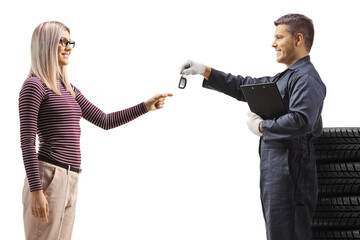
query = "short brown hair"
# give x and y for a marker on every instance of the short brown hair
(297, 23)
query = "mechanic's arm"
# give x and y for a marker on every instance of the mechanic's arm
(216, 80)
(305, 105)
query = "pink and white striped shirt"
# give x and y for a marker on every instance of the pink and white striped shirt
(56, 120)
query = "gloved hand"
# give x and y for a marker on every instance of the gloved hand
(193, 68)
(253, 123)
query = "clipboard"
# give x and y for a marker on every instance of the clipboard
(264, 100)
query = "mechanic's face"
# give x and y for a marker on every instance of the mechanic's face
(284, 46)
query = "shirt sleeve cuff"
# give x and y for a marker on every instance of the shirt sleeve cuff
(208, 83)
(142, 108)
(264, 128)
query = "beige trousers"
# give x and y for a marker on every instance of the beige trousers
(60, 189)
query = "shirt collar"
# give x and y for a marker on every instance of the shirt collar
(300, 62)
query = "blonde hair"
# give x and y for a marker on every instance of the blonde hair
(44, 56)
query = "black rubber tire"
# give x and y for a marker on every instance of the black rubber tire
(319, 234)
(338, 144)
(338, 153)
(336, 220)
(338, 204)
(337, 213)
(339, 136)
(339, 170)
(339, 187)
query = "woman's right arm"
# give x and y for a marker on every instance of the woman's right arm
(107, 121)
(30, 98)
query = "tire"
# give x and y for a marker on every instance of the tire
(336, 220)
(336, 234)
(339, 136)
(337, 152)
(339, 170)
(339, 187)
(339, 144)
(337, 213)
(338, 204)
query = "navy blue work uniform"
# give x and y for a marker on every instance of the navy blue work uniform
(288, 179)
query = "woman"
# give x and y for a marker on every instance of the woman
(52, 107)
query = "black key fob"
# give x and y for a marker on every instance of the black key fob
(182, 82)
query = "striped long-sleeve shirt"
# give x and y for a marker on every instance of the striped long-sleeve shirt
(56, 120)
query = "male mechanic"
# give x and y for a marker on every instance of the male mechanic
(288, 179)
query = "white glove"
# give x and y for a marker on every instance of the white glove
(253, 123)
(193, 68)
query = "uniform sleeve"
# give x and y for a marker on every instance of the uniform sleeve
(230, 84)
(307, 94)
(107, 120)
(30, 98)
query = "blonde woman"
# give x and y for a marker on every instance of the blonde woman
(51, 107)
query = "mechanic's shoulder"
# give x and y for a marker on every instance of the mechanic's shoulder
(307, 71)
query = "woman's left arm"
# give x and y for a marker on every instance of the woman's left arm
(111, 120)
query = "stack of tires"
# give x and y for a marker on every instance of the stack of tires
(337, 214)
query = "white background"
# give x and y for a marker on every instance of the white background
(191, 170)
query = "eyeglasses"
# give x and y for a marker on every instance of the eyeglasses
(182, 82)
(64, 42)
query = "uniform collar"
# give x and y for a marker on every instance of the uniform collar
(300, 62)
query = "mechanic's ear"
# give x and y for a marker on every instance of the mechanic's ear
(299, 40)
